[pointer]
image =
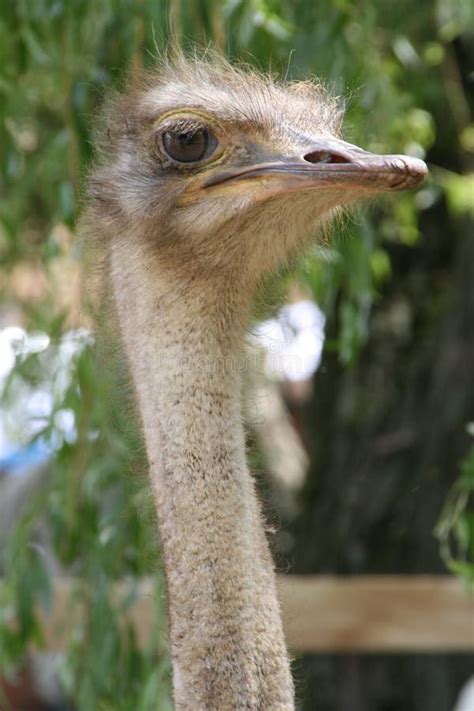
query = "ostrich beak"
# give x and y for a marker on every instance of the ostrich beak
(327, 163)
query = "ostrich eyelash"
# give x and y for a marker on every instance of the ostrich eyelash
(182, 126)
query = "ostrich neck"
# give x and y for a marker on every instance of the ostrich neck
(183, 345)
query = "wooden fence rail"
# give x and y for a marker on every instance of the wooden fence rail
(377, 613)
(334, 614)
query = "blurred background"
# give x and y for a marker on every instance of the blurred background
(361, 419)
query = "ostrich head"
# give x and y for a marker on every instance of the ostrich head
(225, 171)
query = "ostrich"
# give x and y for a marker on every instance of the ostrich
(209, 177)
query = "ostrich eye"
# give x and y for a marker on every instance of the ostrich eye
(189, 146)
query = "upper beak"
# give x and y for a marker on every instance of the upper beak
(328, 163)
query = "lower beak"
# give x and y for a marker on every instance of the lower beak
(328, 164)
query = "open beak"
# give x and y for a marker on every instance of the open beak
(328, 163)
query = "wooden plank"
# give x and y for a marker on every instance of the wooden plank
(377, 613)
(333, 614)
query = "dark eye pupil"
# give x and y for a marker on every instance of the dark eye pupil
(187, 147)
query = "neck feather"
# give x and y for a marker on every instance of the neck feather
(184, 353)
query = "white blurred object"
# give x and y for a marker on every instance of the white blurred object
(293, 341)
(285, 349)
(27, 407)
(465, 701)
(9, 337)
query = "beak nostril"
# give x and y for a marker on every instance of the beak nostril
(325, 157)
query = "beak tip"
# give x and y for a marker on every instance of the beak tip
(407, 172)
(416, 168)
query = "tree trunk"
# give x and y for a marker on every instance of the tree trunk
(386, 440)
